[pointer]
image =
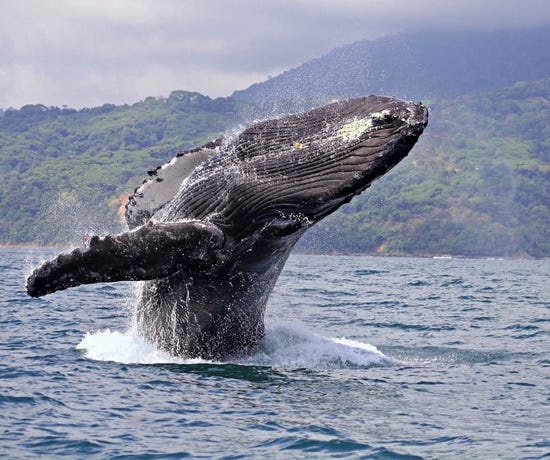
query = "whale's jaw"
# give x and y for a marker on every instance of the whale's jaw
(302, 167)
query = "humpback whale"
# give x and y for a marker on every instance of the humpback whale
(210, 231)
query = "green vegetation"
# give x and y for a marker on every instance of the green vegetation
(67, 172)
(476, 184)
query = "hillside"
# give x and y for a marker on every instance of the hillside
(431, 64)
(476, 184)
(67, 172)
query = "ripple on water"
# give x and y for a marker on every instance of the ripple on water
(459, 368)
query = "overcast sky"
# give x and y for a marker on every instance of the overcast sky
(84, 53)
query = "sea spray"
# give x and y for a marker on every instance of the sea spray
(123, 347)
(286, 346)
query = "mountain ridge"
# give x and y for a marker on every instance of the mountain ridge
(412, 65)
(476, 184)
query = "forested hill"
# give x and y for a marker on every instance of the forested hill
(476, 184)
(66, 172)
(430, 64)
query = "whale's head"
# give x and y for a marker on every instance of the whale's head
(300, 168)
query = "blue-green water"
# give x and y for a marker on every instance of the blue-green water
(364, 358)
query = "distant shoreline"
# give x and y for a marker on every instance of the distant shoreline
(305, 253)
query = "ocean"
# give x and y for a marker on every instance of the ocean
(364, 357)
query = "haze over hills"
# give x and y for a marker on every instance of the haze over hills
(476, 184)
(429, 64)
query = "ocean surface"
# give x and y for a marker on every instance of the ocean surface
(365, 357)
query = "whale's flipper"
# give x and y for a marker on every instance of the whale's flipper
(164, 182)
(154, 250)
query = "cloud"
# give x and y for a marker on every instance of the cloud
(87, 52)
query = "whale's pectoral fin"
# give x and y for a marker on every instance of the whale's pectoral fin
(154, 250)
(164, 182)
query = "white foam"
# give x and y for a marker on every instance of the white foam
(359, 345)
(294, 346)
(123, 347)
(285, 346)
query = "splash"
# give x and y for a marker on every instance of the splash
(285, 346)
(123, 347)
(295, 346)
(71, 215)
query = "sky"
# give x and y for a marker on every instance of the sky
(84, 53)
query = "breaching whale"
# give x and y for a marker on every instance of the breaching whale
(210, 231)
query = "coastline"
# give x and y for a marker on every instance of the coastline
(305, 253)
